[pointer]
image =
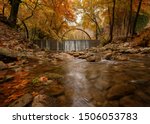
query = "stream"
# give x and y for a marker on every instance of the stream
(88, 84)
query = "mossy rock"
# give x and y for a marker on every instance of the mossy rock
(55, 90)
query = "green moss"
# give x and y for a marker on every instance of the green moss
(35, 81)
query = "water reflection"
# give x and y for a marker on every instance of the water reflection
(88, 83)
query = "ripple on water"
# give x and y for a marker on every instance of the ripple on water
(92, 80)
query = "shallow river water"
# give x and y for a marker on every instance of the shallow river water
(88, 84)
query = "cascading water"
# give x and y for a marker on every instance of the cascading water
(72, 45)
(76, 45)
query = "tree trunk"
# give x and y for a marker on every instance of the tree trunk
(3, 9)
(26, 29)
(136, 17)
(130, 19)
(112, 21)
(14, 12)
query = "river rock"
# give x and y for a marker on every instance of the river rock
(145, 50)
(119, 90)
(147, 90)
(121, 58)
(91, 59)
(41, 101)
(81, 53)
(102, 84)
(114, 103)
(130, 101)
(22, 101)
(76, 54)
(56, 90)
(61, 101)
(6, 78)
(82, 57)
(132, 51)
(143, 96)
(2, 65)
(126, 44)
(108, 56)
(54, 76)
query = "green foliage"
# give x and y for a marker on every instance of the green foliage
(104, 40)
(35, 81)
(142, 22)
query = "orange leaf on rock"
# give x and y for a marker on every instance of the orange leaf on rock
(43, 79)
(22, 84)
(13, 97)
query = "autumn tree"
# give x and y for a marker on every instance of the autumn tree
(112, 21)
(136, 17)
(90, 10)
(14, 11)
(130, 19)
(3, 5)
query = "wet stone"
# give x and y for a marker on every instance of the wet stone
(2, 65)
(102, 85)
(121, 58)
(55, 90)
(130, 101)
(82, 57)
(54, 76)
(114, 103)
(22, 101)
(119, 90)
(91, 59)
(61, 101)
(76, 54)
(108, 56)
(143, 96)
(42, 101)
(6, 78)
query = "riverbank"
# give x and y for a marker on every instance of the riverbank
(119, 49)
(28, 76)
(114, 51)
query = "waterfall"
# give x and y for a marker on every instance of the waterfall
(70, 45)
(75, 45)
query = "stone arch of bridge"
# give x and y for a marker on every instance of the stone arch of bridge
(75, 29)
